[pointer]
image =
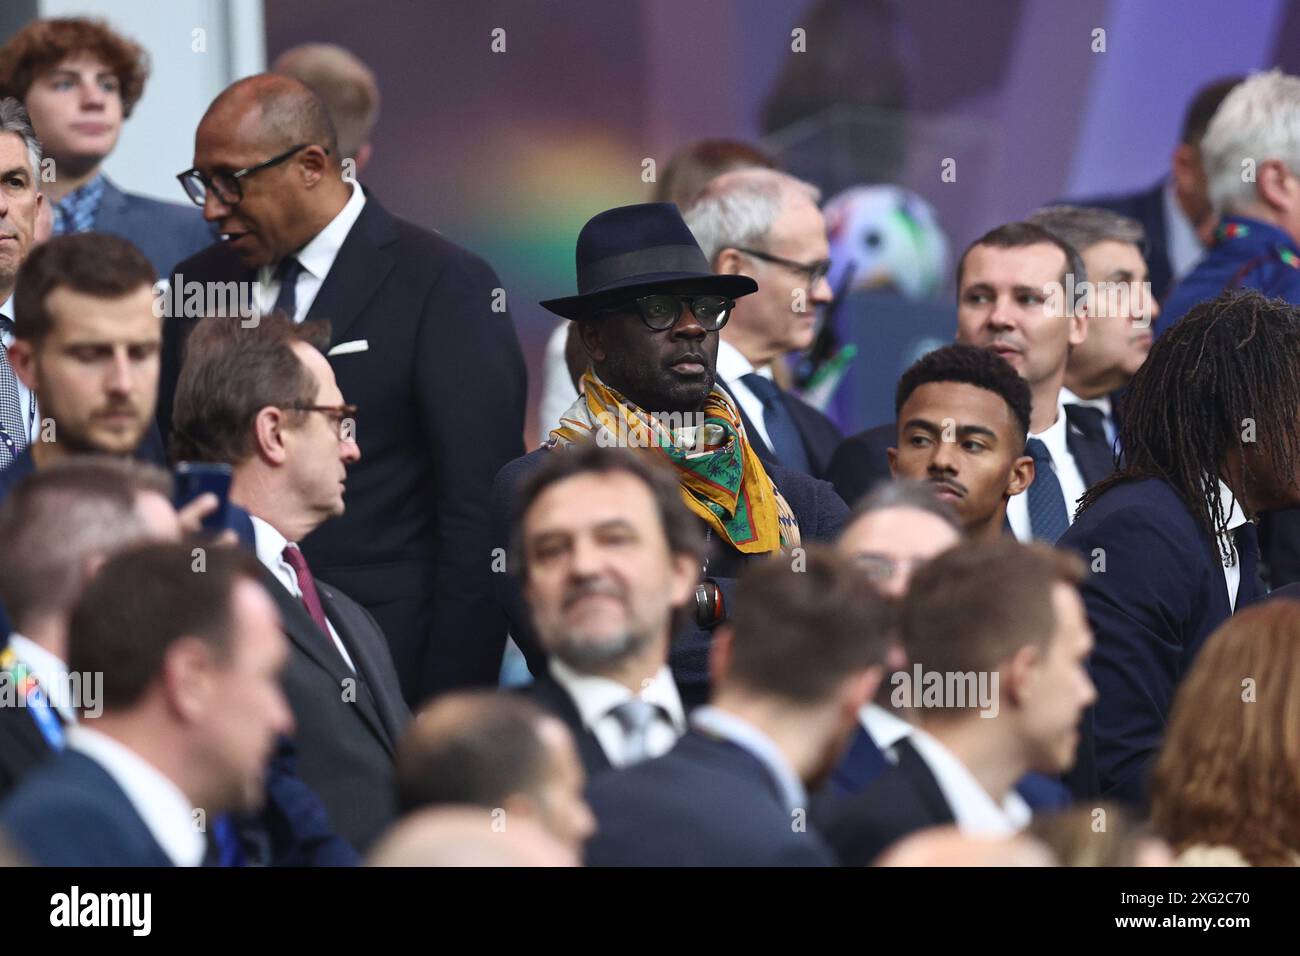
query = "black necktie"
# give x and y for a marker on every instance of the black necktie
(781, 429)
(1089, 420)
(287, 273)
(1246, 541)
(1048, 517)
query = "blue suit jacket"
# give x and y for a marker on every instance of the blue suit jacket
(819, 434)
(165, 232)
(705, 803)
(1160, 595)
(72, 813)
(820, 513)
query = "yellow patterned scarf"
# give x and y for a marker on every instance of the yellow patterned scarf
(720, 476)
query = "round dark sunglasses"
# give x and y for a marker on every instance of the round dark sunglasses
(661, 310)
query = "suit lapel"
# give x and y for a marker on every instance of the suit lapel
(359, 269)
(765, 454)
(863, 762)
(548, 693)
(359, 651)
(931, 797)
(306, 636)
(1094, 459)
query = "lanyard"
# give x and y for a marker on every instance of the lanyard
(38, 705)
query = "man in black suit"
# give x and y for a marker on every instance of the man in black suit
(191, 708)
(801, 657)
(766, 225)
(57, 526)
(998, 639)
(1017, 288)
(422, 344)
(607, 555)
(1210, 443)
(264, 400)
(648, 313)
(1175, 213)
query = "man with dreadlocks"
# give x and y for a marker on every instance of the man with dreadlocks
(1210, 442)
(648, 314)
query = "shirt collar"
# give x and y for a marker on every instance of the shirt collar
(7, 308)
(974, 810)
(1236, 518)
(1054, 437)
(1102, 403)
(319, 254)
(165, 810)
(885, 728)
(732, 365)
(1183, 243)
(596, 696)
(50, 672)
(269, 545)
(716, 722)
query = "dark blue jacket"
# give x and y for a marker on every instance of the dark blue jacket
(706, 802)
(71, 812)
(1154, 592)
(165, 232)
(819, 434)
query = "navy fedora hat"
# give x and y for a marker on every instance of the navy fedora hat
(632, 251)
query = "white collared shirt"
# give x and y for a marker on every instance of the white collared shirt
(1067, 473)
(50, 672)
(1236, 518)
(596, 697)
(886, 729)
(316, 259)
(270, 545)
(165, 810)
(1181, 241)
(731, 367)
(974, 810)
(26, 397)
(716, 722)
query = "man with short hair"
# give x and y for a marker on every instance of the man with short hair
(58, 526)
(1119, 317)
(79, 81)
(348, 88)
(766, 225)
(999, 628)
(191, 705)
(802, 656)
(264, 401)
(422, 343)
(607, 556)
(499, 752)
(86, 345)
(649, 311)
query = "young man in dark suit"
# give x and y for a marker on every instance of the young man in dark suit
(766, 225)
(608, 557)
(803, 654)
(264, 400)
(421, 342)
(191, 705)
(80, 81)
(997, 637)
(1014, 298)
(1210, 442)
(649, 311)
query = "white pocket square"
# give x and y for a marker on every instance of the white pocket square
(346, 348)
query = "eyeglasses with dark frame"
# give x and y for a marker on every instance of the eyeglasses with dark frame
(227, 186)
(338, 413)
(815, 271)
(660, 311)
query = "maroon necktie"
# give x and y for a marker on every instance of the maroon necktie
(307, 585)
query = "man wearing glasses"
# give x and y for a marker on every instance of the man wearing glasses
(766, 225)
(649, 313)
(420, 341)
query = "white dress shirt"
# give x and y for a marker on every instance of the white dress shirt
(596, 697)
(731, 366)
(166, 811)
(50, 672)
(1236, 518)
(26, 398)
(716, 722)
(316, 258)
(1067, 473)
(974, 810)
(270, 545)
(1181, 241)
(885, 728)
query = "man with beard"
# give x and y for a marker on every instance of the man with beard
(607, 554)
(648, 313)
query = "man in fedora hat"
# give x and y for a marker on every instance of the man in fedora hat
(648, 311)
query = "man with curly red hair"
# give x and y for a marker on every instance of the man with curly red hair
(79, 81)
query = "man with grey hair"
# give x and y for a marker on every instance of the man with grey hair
(1121, 308)
(766, 225)
(58, 526)
(20, 200)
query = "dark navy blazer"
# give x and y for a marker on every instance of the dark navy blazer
(166, 232)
